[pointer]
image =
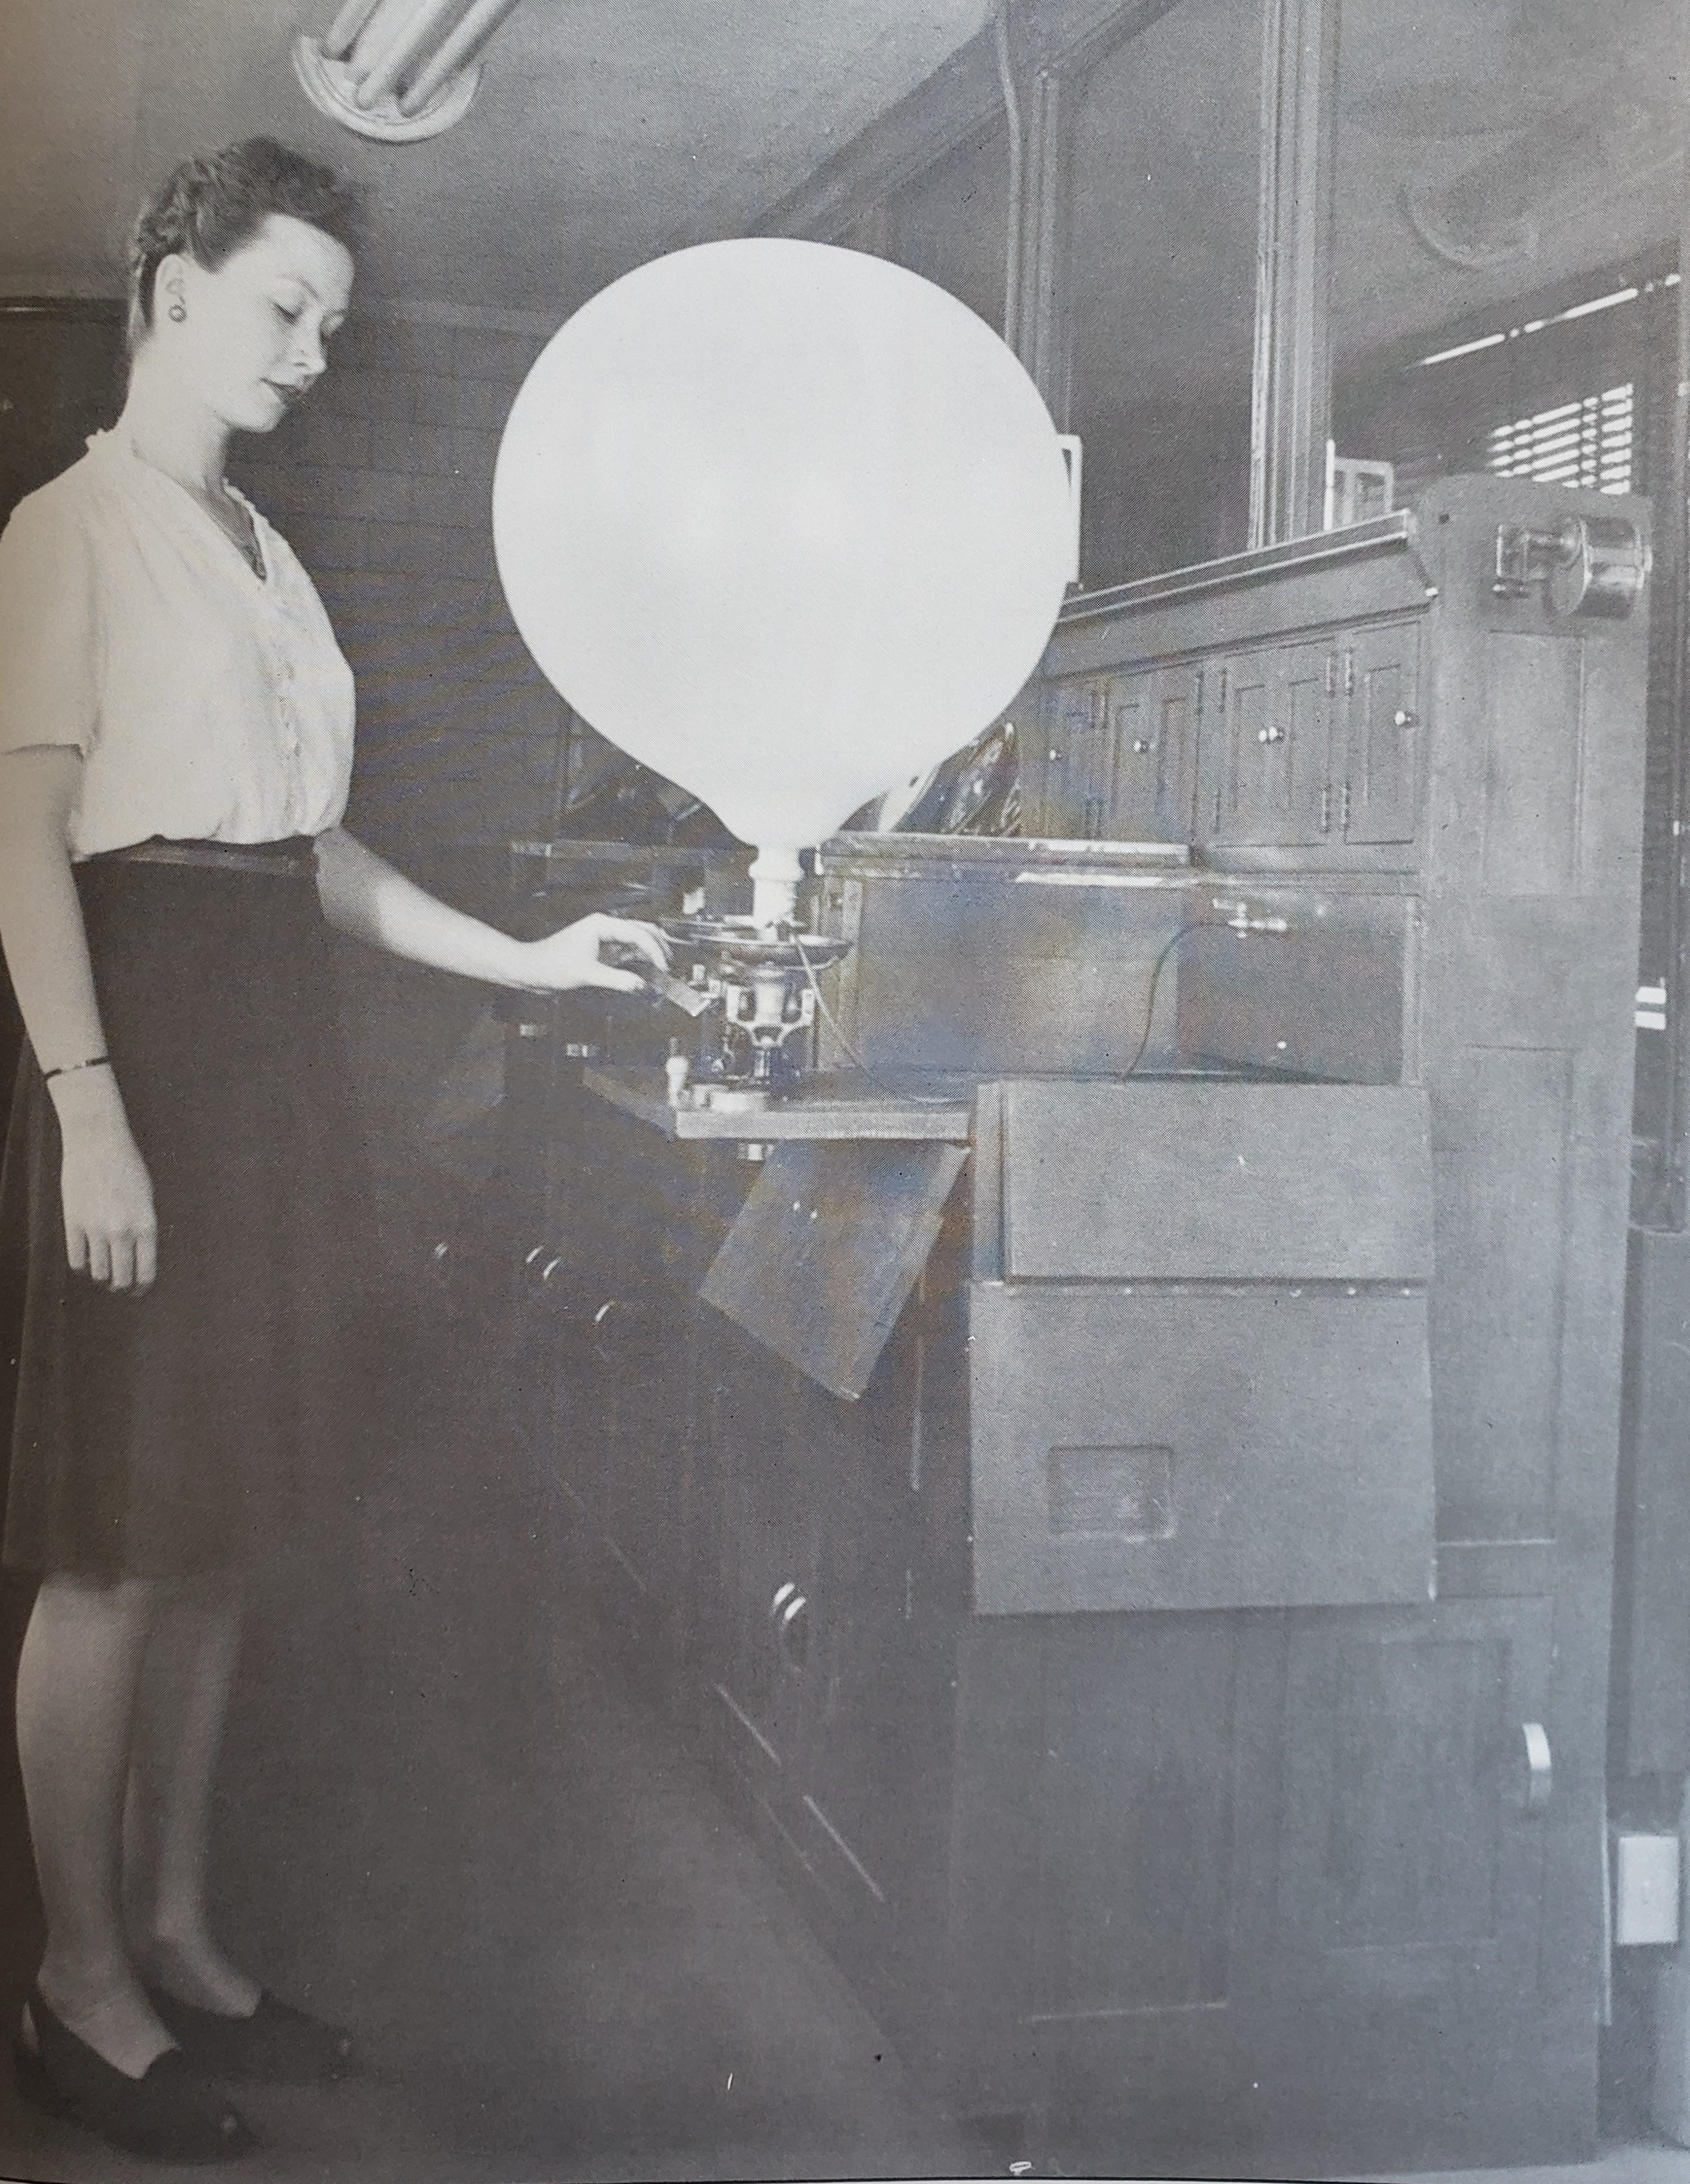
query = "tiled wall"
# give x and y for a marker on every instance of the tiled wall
(381, 482)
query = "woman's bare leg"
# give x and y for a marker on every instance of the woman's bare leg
(183, 1698)
(77, 1677)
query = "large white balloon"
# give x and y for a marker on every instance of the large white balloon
(786, 523)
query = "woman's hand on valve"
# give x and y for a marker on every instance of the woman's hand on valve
(596, 951)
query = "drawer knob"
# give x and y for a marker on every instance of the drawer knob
(1142, 746)
(789, 1612)
(1540, 1772)
(1273, 734)
(1404, 718)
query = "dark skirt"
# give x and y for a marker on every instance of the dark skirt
(186, 1430)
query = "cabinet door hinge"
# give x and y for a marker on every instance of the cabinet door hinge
(1349, 675)
(1344, 810)
(1326, 807)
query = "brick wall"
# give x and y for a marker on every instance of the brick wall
(381, 483)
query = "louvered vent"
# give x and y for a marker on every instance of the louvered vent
(1588, 442)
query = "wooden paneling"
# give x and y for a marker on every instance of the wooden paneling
(1122, 753)
(1318, 742)
(1086, 738)
(1201, 1182)
(760, 1622)
(1138, 1819)
(826, 1249)
(1534, 727)
(1410, 1856)
(1386, 734)
(1179, 704)
(1499, 1130)
(1329, 998)
(1249, 1446)
(952, 973)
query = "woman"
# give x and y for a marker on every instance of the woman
(176, 746)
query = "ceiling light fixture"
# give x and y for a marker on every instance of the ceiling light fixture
(398, 70)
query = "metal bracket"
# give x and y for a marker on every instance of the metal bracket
(1585, 565)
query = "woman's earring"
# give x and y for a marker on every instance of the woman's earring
(179, 312)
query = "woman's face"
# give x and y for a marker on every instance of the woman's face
(251, 337)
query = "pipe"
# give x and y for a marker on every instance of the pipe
(385, 22)
(1012, 111)
(343, 32)
(482, 18)
(1677, 926)
(402, 49)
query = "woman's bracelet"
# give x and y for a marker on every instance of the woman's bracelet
(69, 1068)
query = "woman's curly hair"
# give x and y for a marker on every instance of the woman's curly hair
(209, 207)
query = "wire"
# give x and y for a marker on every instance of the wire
(920, 1099)
(941, 1100)
(1192, 925)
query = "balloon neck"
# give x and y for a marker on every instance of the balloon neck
(775, 875)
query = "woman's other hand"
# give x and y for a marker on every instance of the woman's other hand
(577, 955)
(111, 1232)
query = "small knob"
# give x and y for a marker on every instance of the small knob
(1404, 720)
(1540, 1773)
(792, 1630)
(622, 1327)
(1273, 734)
(1142, 746)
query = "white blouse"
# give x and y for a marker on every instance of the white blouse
(208, 703)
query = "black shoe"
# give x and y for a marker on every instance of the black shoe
(170, 2114)
(280, 2044)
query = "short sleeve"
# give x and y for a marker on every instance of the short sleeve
(49, 628)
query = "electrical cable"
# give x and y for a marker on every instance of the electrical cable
(933, 1099)
(1192, 925)
(919, 1099)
